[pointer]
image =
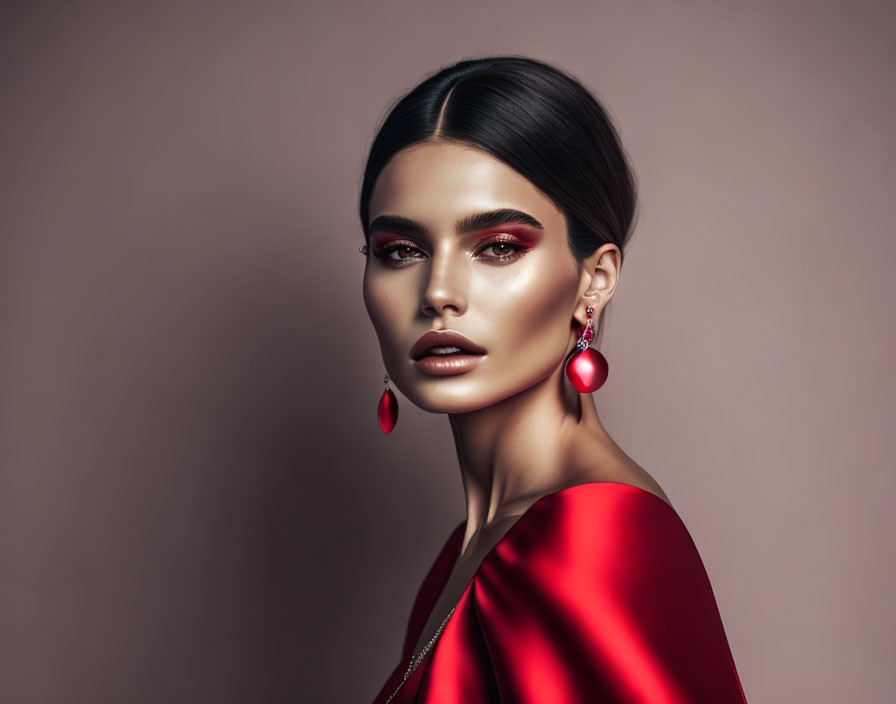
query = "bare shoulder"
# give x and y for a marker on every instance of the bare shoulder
(622, 469)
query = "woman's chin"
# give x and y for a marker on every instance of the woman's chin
(453, 403)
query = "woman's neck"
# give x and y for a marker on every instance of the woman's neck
(528, 445)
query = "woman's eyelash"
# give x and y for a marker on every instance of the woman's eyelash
(384, 255)
(517, 249)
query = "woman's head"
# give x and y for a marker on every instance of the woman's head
(496, 202)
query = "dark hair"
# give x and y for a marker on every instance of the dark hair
(538, 120)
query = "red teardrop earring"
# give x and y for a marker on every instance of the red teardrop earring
(387, 410)
(587, 368)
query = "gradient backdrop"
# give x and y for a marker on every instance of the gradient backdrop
(196, 503)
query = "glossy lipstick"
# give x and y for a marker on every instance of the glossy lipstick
(448, 364)
(465, 356)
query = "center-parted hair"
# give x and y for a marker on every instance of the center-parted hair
(535, 118)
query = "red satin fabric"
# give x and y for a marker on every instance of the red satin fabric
(595, 594)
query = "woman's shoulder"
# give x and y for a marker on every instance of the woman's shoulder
(596, 588)
(600, 543)
(594, 521)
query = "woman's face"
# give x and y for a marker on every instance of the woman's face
(510, 287)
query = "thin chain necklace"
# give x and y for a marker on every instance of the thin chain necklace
(418, 658)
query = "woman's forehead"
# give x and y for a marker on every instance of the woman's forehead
(441, 182)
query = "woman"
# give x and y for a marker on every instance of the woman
(496, 205)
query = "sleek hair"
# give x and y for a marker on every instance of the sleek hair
(537, 119)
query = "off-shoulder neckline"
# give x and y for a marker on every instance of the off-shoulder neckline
(557, 493)
(454, 553)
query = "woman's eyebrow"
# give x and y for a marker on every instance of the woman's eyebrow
(468, 223)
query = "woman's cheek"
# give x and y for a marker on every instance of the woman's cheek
(390, 308)
(376, 298)
(546, 309)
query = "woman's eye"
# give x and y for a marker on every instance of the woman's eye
(503, 250)
(399, 253)
(403, 252)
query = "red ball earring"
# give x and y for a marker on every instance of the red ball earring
(387, 410)
(587, 368)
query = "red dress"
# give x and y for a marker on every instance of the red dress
(595, 594)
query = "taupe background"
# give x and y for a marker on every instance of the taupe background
(197, 504)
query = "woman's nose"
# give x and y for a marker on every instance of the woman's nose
(446, 285)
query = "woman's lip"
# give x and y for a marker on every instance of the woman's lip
(448, 365)
(444, 338)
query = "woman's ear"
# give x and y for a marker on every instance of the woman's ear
(600, 274)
